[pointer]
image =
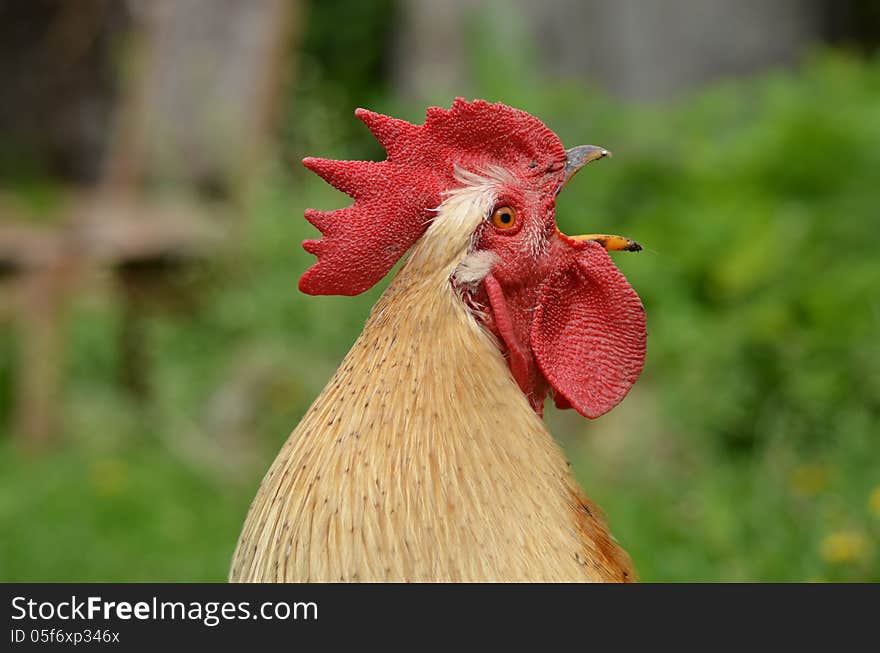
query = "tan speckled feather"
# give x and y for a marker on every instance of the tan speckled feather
(421, 460)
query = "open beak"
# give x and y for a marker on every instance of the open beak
(577, 158)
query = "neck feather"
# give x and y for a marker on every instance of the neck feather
(422, 460)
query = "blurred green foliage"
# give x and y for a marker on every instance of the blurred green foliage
(343, 63)
(747, 451)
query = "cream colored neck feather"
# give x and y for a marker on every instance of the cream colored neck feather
(421, 460)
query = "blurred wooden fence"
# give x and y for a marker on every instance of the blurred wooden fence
(191, 120)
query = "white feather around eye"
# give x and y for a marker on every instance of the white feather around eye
(474, 267)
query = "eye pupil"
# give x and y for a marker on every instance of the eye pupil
(505, 218)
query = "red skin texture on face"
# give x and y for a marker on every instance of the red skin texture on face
(567, 319)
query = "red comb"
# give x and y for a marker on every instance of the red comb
(394, 200)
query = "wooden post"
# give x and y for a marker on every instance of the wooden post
(40, 336)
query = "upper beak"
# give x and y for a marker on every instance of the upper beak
(577, 158)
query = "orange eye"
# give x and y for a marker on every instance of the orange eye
(504, 217)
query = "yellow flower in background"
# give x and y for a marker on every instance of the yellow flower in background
(874, 502)
(809, 479)
(845, 547)
(109, 476)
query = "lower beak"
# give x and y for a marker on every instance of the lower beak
(611, 243)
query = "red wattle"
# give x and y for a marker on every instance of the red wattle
(589, 332)
(519, 366)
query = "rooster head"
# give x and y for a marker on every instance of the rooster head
(569, 322)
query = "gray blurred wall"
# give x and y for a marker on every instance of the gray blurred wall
(638, 49)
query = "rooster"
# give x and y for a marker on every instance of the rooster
(426, 458)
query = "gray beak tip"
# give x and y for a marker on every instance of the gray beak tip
(577, 157)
